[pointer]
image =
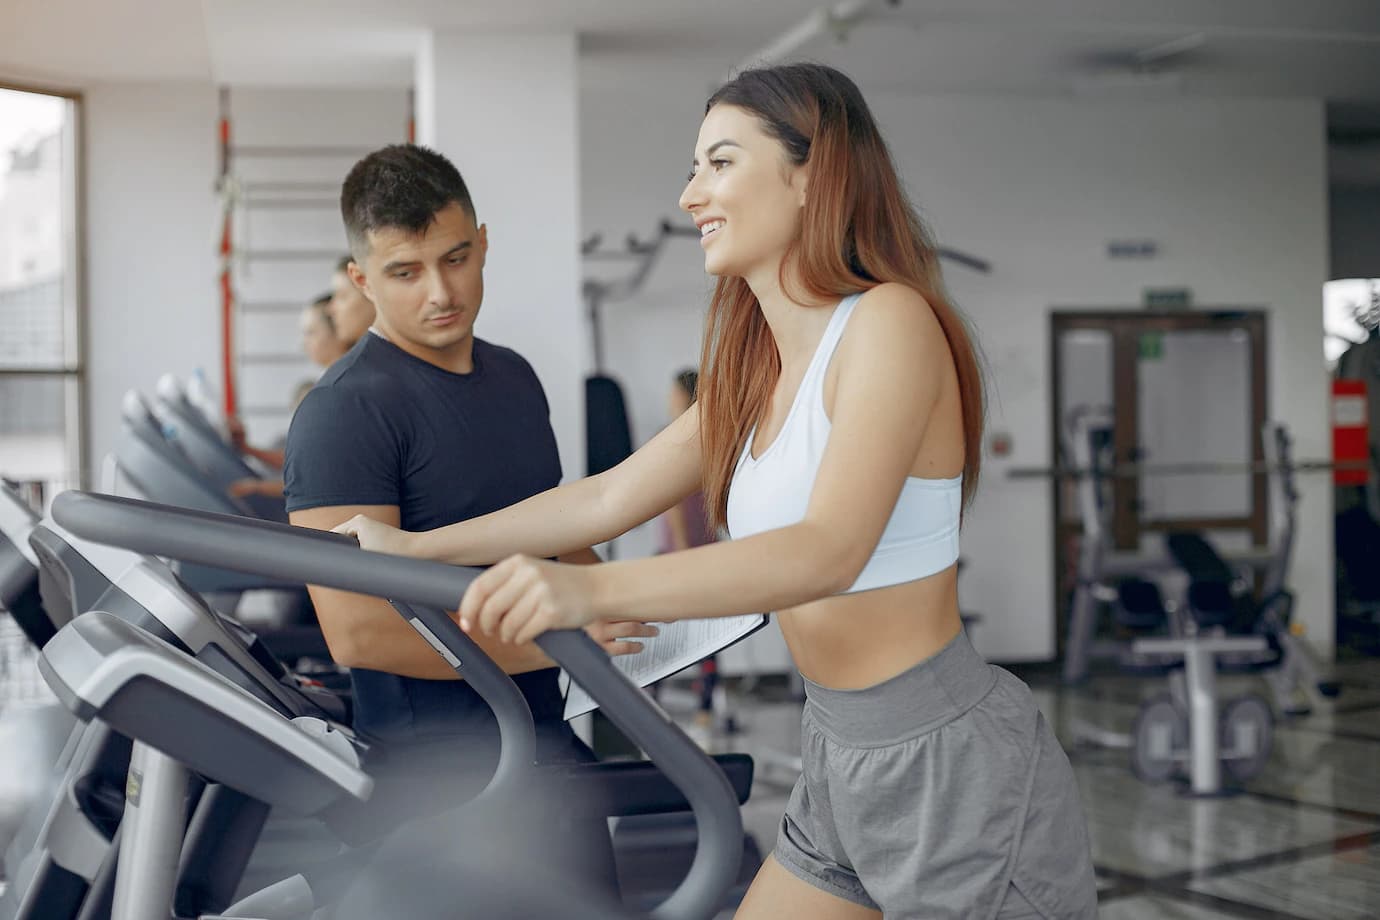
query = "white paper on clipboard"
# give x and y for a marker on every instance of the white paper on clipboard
(677, 646)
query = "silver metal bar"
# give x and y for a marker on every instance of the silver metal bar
(44, 371)
(1136, 470)
(151, 836)
(1205, 767)
(1082, 627)
(1214, 645)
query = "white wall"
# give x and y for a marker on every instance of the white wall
(636, 149)
(1233, 192)
(153, 225)
(504, 108)
(151, 233)
(342, 125)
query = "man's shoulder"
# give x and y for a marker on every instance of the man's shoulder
(352, 399)
(359, 367)
(362, 377)
(344, 440)
(502, 358)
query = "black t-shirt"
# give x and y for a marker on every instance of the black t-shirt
(385, 428)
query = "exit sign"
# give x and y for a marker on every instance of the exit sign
(1168, 298)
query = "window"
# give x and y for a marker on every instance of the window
(41, 412)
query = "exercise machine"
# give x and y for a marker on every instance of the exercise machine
(421, 590)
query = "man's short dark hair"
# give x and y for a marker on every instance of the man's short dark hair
(402, 186)
(322, 306)
(689, 381)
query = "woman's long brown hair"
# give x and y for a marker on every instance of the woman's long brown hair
(858, 230)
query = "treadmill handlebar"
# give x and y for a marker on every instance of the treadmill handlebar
(517, 733)
(336, 561)
(255, 546)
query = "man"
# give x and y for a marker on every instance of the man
(419, 425)
(350, 311)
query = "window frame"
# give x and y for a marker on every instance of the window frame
(72, 368)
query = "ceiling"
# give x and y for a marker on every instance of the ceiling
(1326, 49)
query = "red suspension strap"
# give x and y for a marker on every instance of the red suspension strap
(227, 291)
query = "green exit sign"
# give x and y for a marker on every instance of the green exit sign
(1151, 346)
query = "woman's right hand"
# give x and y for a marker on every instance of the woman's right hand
(378, 537)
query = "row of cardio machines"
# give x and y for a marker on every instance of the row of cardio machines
(171, 449)
(174, 795)
(1221, 625)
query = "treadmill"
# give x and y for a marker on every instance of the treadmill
(152, 464)
(274, 550)
(19, 569)
(186, 427)
(61, 860)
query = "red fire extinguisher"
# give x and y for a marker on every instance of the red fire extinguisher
(1350, 433)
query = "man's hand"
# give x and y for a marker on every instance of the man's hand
(376, 536)
(613, 635)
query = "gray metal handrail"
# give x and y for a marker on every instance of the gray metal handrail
(330, 560)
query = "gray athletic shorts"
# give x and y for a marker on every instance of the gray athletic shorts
(939, 793)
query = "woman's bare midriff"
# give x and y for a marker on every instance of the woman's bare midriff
(853, 641)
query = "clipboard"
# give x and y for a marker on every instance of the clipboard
(680, 644)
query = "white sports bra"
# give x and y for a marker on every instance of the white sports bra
(773, 490)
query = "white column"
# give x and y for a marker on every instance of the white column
(152, 301)
(503, 108)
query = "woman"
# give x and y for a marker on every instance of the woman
(837, 435)
(685, 525)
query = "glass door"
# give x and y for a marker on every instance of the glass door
(1181, 398)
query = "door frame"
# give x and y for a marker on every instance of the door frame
(1126, 326)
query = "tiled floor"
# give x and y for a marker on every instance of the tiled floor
(1301, 841)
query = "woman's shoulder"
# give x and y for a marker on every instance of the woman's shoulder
(895, 314)
(892, 296)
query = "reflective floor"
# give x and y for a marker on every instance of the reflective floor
(1300, 841)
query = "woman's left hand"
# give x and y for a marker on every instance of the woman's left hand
(522, 597)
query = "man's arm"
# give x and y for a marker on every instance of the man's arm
(266, 455)
(240, 488)
(580, 557)
(366, 632)
(236, 433)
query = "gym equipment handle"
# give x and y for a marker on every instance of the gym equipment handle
(335, 561)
